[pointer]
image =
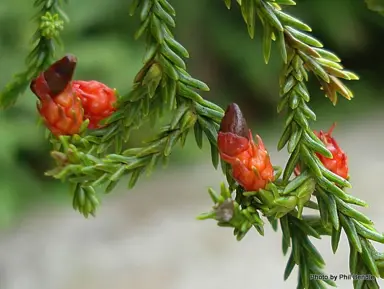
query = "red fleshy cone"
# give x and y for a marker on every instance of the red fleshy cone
(339, 163)
(97, 100)
(251, 165)
(58, 105)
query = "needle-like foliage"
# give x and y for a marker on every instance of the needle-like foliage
(50, 21)
(163, 85)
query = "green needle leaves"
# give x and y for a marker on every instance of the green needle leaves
(291, 33)
(85, 200)
(163, 84)
(286, 198)
(50, 23)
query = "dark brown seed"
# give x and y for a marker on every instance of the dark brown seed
(60, 73)
(234, 121)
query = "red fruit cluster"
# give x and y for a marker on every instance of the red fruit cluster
(97, 100)
(251, 165)
(65, 104)
(339, 163)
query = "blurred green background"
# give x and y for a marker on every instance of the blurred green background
(100, 34)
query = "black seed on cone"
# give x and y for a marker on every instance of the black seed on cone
(60, 73)
(234, 122)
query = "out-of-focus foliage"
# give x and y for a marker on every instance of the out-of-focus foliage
(100, 34)
(376, 5)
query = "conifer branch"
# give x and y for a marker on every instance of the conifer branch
(50, 22)
(291, 33)
(302, 53)
(162, 84)
(244, 211)
(296, 233)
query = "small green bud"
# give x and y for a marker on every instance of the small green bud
(51, 25)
